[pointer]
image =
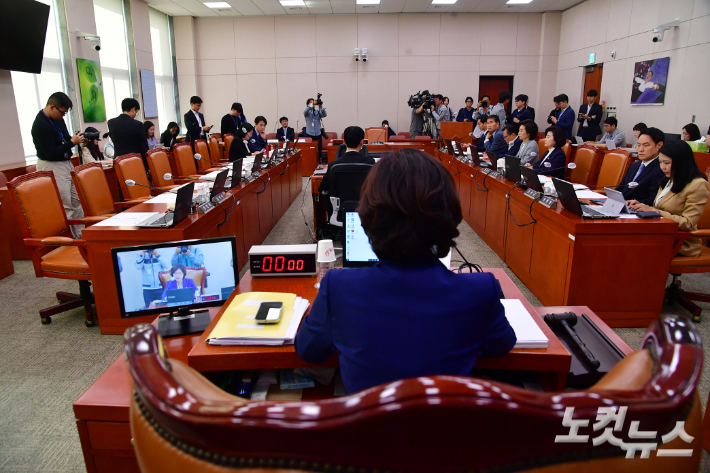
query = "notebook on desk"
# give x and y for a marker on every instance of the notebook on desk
(527, 331)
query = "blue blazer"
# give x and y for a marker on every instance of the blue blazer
(496, 145)
(395, 321)
(648, 182)
(256, 143)
(289, 134)
(466, 114)
(557, 160)
(524, 114)
(566, 121)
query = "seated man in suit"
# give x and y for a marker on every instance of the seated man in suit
(258, 139)
(617, 136)
(643, 177)
(590, 114)
(494, 141)
(353, 136)
(480, 130)
(195, 121)
(128, 134)
(522, 111)
(285, 132)
(512, 144)
(232, 120)
(565, 118)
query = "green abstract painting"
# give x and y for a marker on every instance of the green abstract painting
(92, 90)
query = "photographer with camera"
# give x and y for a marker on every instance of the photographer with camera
(89, 150)
(421, 104)
(54, 150)
(440, 112)
(188, 256)
(483, 109)
(313, 113)
(151, 264)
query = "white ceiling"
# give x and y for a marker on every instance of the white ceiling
(330, 7)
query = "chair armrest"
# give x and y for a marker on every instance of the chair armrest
(700, 233)
(680, 238)
(54, 241)
(96, 219)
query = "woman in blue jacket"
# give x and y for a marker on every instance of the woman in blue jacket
(553, 162)
(408, 315)
(179, 281)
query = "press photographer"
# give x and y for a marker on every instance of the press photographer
(314, 112)
(421, 104)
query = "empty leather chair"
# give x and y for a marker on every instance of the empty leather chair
(399, 138)
(204, 164)
(584, 160)
(131, 167)
(94, 193)
(215, 151)
(614, 165)
(159, 166)
(423, 138)
(55, 253)
(228, 138)
(182, 422)
(376, 135)
(185, 160)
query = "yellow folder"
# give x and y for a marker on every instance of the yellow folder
(238, 318)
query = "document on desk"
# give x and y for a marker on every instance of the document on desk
(126, 219)
(164, 198)
(237, 326)
(527, 331)
(587, 194)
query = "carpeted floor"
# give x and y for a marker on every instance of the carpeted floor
(43, 369)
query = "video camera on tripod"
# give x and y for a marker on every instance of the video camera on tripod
(421, 98)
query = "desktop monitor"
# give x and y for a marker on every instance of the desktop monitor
(150, 279)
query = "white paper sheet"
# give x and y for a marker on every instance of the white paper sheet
(587, 194)
(526, 330)
(164, 198)
(125, 219)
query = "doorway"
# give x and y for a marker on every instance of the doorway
(593, 80)
(494, 85)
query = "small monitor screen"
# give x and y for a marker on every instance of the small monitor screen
(358, 251)
(162, 277)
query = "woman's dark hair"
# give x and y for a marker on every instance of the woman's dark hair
(180, 267)
(172, 125)
(409, 207)
(683, 166)
(640, 126)
(93, 147)
(530, 128)
(692, 130)
(243, 130)
(147, 125)
(559, 134)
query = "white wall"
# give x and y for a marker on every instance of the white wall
(601, 26)
(273, 64)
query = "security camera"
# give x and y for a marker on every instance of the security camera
(92, 38)
(357, 54)
(660, 30)
(364, 54)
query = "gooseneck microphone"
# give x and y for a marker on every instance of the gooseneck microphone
(131, 183)
(198, 156)
(167, 176)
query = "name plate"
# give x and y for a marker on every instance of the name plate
(204, 208)
(221, 197)
(534, 195)
(549, 202)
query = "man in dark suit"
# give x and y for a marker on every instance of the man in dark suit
(590, 115)
(565, 119)
(195, 121)
(643, 177)
(285, 132)
(128, 134)
(353, 136)
(494, 140)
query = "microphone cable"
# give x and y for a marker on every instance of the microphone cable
(466, 264)
(510, 212)
(305, 221)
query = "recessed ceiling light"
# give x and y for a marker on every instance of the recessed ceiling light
(216, 5)
(292, 3)
(368, 2)
(443, 2)
(518, 2)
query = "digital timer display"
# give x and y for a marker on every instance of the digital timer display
(282, 265)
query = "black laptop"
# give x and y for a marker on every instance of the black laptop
(477, 159)
(568, 197)
(183, 206)
(257, 163)
(219, 181)
(531, 179)
(236, 173)
(180, 297)
(512, 168)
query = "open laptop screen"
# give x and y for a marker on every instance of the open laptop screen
(356, 244)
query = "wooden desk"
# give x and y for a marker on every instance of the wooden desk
(253, 216)
(428, 147)
(309, 152)
(565, 260)
(6, 266)
(460, 129)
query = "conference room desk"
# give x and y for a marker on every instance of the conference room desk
(428, 146)
(616, 267)
(101, 412)
(253, 216)
(309, 151)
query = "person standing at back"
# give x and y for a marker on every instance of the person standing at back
(522, 111)
(54, 147)
(565, 118)
(501, 107)
(195, 121)
(590, 114)
(466, 113)
(313, 114)
(128, 134)
(232, 120)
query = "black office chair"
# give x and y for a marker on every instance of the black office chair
(346, 182)
(341, 151)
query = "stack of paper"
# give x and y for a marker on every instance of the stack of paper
(527, 331)
(126, 219)
(237, 325)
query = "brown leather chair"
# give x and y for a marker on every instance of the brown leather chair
(159, 165)
(542, 148)
(613, 167)
(584, 160)
(204, 164)
(404, 134)
(130, 167)
(228, 138)
(182, 422)
(55, 253)
(271, 136)
(185, 160)
(215, 151)
(32, 168)
(690, 264)
(198, 276)
(399, 138)
(94, 193)
(423, 138)
(376, 134)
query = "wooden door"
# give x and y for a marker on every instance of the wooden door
(593, 80)
(494, 85)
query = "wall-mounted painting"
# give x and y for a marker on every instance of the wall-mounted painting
(650, 78)
(92, 90)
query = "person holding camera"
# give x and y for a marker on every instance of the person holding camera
(441, 114)
(188, 256)
(54, 150)
(127, 133)
(314, 112)
(151, 264)
(89, 150)
(483, 109)
(416, 127)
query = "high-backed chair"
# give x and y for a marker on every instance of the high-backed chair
(342, 148)
(690, 264)
(159, 165)
(613, 168)
(271, 136)
(204, 164)
(215, 151)
(584, 160)
(130, 166)
(198, 276)
(404, 134)
(228, 138)
(182, 422)
(185, 160)
(94, 193)
(399, 138)
(346, 182)
(423, 138)
(55, 253)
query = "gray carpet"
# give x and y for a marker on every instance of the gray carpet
(45, 368)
